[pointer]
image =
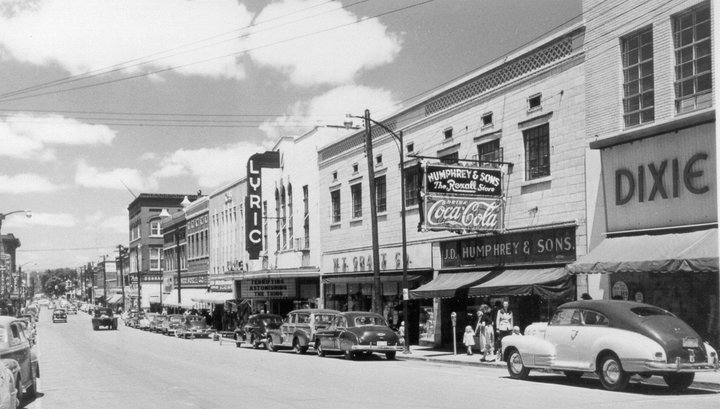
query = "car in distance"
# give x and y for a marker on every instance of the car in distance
(71, 309)
(352, 333)
(103, 317)
(171, 324)
(299, 328)
(614, 339)
(156, 322)
(143, 321)
(255, 330)
(193, 326)
(15, 345)
(59, 315)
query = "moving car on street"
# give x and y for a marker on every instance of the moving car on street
(15, 345)
(59, 315)
(255, 331)
(103, 317)
(299, 328)
(614, 339)
(352, 333)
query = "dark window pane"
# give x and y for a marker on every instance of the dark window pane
(704, 82)
(647, 99)
(648, 115)
(703, 64)
(632, 57)
(632, 88)
(703, 48)
(647, 84)
(631, 74)
(646, 52)
(684, 55)
(632, 119)
(646, 69)
(702, 31)
(686, 37)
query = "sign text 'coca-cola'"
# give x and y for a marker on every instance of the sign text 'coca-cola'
(462, 213)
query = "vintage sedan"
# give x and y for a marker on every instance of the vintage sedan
(172, 324)
(157, 322)
(193, 326)
(255, 329)
(299, 329)
(15, 345)
(143, 321)
(356, 332)
(59, 315)
(614, 339)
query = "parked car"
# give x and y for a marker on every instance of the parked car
(104, 317)
(15, 345)
(255, 330)
(171, 324)
(614, 339)
(299, 328)
(156, 322)
(71, 309)
(356, 332)
(29, 327)
(193, 326)
(59, 315)
(9, 372)
(143, 321)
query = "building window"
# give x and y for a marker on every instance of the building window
(537, 152)
(412, 186)
(410, 147)
(448, 133)
(335, 200)
(490, 152)
(381, 194)
(155, 228)
(487, 119)
(378, 160)
(355, 168)
(356, 194)
(155, 257)
(334, 176)
(638, 78)
(449, 159)
(693, 59)
(534, 102)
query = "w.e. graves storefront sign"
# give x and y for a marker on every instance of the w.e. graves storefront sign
(555, 245)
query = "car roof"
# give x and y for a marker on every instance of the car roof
(610, 307)
(354, 314)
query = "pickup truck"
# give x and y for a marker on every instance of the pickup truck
(103, 317)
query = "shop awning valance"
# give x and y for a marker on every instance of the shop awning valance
(695, 251)
(186, 297)
(114, 298)
(214, 297)
(445, 285)
(547, 282)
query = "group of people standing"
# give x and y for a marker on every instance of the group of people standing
(490, 328)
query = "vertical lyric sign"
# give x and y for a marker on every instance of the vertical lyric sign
(253, 200)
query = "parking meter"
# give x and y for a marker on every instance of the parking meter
(453, 318)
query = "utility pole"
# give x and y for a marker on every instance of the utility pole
(377, 290)
(105, 294)
(137, 262)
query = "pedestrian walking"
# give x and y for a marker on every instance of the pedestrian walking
(469, 339)
(486, 333)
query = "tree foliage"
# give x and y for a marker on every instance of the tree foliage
(53, 282)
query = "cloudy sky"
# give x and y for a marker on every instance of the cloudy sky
(103, 99)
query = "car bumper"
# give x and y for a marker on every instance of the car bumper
(198, 333)
(653, 366)
(376, 348)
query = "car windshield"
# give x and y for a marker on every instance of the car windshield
(323, 318)
(650, 311)
(272, 320)
(369, 320)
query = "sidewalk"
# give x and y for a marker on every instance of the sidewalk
(704, 380)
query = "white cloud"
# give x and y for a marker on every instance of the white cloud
(25, 136)
(87, 35)
(334, 56)
(117, 223)
(331, 108)
(26, 183)
(118, 179)
(52, 220)
(211, 166)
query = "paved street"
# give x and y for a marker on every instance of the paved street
(129, 368)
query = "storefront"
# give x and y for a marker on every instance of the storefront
(526, 268)
(661, 241)
(279, 291)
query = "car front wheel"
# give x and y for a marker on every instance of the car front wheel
(679, 382)
(390, 355)
(299, 349)
(515, 365)
(612, 376)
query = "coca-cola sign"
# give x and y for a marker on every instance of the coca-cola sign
(463, 180)
(462, 213)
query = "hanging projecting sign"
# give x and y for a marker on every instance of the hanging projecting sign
(463, 180)
(253, 200)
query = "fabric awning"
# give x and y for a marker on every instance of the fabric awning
(695, 251)
(114, 298)
(214, 297)
(547, 282)
(186, 297)
(445, 285)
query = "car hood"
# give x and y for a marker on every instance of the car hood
(669, 332)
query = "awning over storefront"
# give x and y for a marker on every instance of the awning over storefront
(547, 282)
(214, 297)
(447, 284)
(114, 298)
(186, 294)
(695, 251)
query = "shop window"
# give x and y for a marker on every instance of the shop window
(638, 78)
(380, 194)
(537, 152)
(356, 195)
(335, 201)
(693, 59)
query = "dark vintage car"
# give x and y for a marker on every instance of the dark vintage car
(59, 315)
(9, 372)
(15, 345)
(71, 309)
(157, 322)
(614, 339)
(171, 324)
(194, 326)
(103, 317)
(357, 332)
(255, 329)
(299, 328)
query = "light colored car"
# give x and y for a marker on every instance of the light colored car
(193, 326)
(15, 345)
(299, 329)
(614, 339)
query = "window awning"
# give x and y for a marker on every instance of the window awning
(114, 298)
(695, 251)
(445, 285)
(214, 297)
(547, 282)
(186, 297)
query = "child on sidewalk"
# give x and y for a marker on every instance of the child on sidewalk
(469, 339)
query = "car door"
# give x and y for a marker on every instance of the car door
(594, 325)
(20, 350)
(288, 328)
(561, 333)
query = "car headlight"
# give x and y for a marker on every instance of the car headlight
(659, 356)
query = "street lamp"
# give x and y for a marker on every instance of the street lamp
(373, 215)
(28, 214)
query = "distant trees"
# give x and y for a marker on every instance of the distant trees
(53, 282)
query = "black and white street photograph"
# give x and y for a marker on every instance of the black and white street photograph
(221, 204)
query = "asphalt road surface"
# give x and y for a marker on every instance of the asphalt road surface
(133, 369)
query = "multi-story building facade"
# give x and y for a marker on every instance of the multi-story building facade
(226, 237)
(146, 243)
(524, 115)
(174, 258)
(651, 124)
(9, 288)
